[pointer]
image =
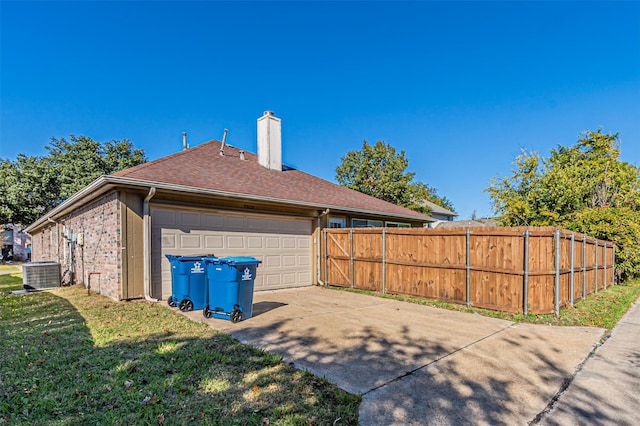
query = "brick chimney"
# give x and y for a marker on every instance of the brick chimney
(270, 141)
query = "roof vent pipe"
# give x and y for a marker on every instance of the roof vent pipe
(224, 140)
(241, 154)
(184, 141)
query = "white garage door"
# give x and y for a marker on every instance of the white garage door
(283, 244)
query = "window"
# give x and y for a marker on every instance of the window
(366, 223)
(397, 225)
(337, 222)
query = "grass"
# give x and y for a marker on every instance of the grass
(70, 358)
(10, 267)
(603, 309)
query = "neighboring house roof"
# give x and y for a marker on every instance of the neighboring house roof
(462, 224)
(203, 170)
(436, 209)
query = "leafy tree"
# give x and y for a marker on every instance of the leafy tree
(31, 186)
(379, 171)
(81, 160)
(584, 188)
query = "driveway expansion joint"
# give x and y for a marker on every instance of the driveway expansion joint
(567, 382)
(409, 373)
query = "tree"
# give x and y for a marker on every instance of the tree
(584, 187)
(379, 171)
(31, 186)
(81, 160)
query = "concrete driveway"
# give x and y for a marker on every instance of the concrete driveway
(416, 364)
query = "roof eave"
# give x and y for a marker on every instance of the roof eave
(105, 183)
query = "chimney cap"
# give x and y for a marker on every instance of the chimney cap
(269, 113)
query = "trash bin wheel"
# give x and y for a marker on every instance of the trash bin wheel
(171, 302)
(208, 313)
(185, 305)
(236, 315)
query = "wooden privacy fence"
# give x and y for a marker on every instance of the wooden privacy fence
(530, 270)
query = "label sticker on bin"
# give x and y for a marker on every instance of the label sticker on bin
(197, 268)
(246, 276)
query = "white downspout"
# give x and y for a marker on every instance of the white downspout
(319, 263)
(146, 236)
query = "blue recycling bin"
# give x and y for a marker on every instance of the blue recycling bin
(188, 282)
(230, 287)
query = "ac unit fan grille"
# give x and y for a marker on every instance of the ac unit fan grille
(40, 275)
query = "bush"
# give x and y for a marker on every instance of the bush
(619, 225)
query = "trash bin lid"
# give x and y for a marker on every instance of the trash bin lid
(240, 260)
(191, 258)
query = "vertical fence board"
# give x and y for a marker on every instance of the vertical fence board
(432, 263)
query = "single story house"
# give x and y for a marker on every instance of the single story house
(210, 199)
(14, 241)
(439, 213)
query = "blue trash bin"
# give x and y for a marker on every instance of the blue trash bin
(188, 282)
(230, 287)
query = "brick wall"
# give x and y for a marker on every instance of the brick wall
(45, 244)
(99, 257)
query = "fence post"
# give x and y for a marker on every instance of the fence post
(584, 267)
(384, 260)
(596, 267)
(525, 277)
(351, 271)
(326, 260)
(572, 282)
(468, 242)
(604, 267)
(613, 264)
(557, 281)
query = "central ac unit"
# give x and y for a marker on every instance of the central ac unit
(40, 275)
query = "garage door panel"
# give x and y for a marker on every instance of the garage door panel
(272, 261)
(304, 243)
(288, 243)
(304, 277)
(190, 242)
(289, 260)
(272, 280)
(235, 242)
(283, 245)
(272, 242)
(255, 242)
(214, 241)
(289, 279)
(169, 241)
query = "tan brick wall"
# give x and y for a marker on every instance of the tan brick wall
(100, 255)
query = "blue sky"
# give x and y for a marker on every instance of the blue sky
(462, 87)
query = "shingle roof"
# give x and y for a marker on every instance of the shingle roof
(436, 209)
(203, 167)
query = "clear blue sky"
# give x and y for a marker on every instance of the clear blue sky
(462, 87)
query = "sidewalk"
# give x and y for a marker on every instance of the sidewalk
(606, 391)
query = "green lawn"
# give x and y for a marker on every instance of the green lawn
(69, 358)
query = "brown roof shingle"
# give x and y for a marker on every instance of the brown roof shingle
(203, 167)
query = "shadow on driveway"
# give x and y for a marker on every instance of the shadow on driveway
(416, 364)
